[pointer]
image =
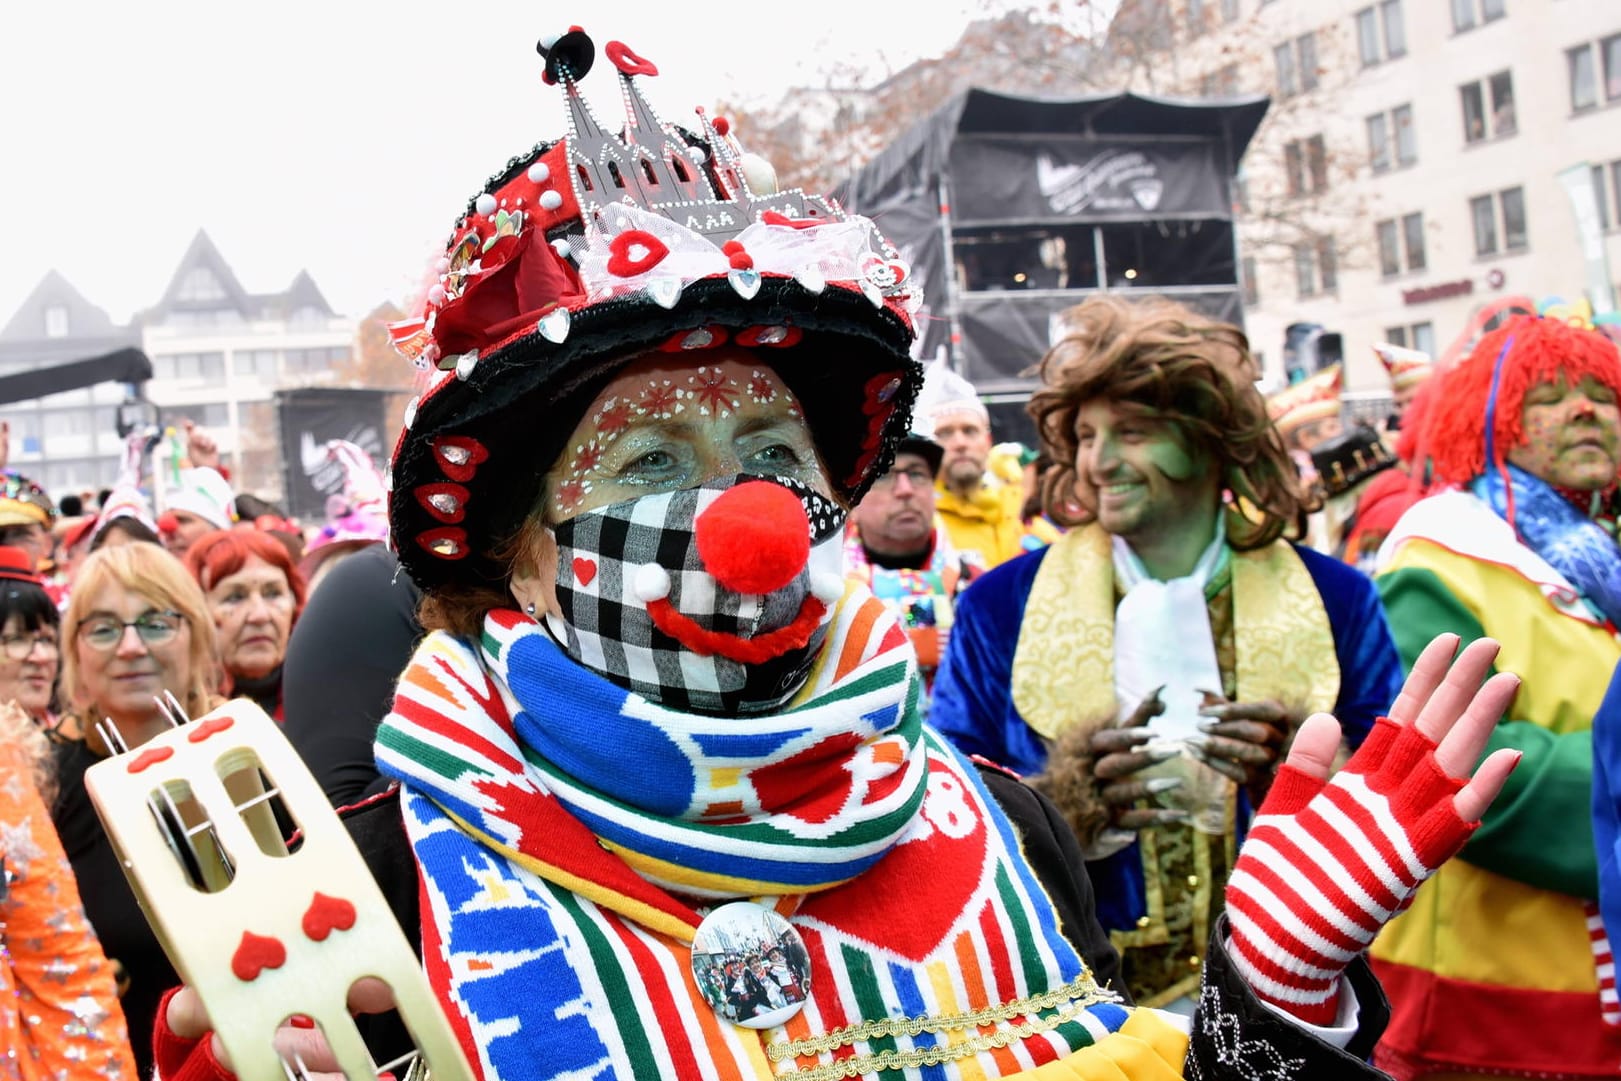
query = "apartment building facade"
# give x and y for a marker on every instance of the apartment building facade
(1420, 158)
(218, 355)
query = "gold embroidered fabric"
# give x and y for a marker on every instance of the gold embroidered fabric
(1273, 641)
(1063, 665)
(1071, 1000)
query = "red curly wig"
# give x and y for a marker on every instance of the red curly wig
(223, 552)
(1543, 350)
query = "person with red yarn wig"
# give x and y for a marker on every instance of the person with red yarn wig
(1518, 545)
(255, 594)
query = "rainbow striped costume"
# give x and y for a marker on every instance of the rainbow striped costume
(571, 836)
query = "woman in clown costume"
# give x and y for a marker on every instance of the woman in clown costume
(648, 696)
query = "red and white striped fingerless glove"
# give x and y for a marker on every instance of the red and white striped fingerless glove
(1327, 864)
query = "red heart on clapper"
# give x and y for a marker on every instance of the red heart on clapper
(254, 954)
(585, 570)
(327, 914)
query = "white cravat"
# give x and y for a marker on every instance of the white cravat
(1162, 638)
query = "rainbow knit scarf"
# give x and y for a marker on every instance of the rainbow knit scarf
(566, 829)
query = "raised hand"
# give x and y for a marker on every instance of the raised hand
(1329, 862)
(185, 1022)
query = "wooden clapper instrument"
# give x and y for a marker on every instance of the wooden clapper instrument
(262, 934)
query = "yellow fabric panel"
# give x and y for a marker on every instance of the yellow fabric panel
(1538, 938)
(1566, 663)
(1146, 1048)
(1063, 666)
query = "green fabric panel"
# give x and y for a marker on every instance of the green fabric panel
(1540, 830)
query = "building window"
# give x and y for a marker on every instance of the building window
(1412, 231)
(1196, 17)
(1389, 248)
(1284, 57)
(1305, 162)
(1505, 209)
(56, 321)
(1296, 64)
(1306, 54)
(1229, 11)
(1316, 270)
(1401, 244)
(1305, 271)
(1392, 140)
(1381, 33)
(1615, 185)
(200, 284)
(1496, 93)
(1420, 336)
(1598, 195)
(1584, 72)
(1468, 14)
(1252, 286)
(1328, 272)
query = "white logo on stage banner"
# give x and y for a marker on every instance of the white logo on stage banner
(1114, 180)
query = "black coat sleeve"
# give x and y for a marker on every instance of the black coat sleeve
(351, 643)
(1055, 856)
(1235, 1037)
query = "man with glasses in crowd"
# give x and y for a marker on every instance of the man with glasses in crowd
(896, 546)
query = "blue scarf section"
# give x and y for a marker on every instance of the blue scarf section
(1568, 540)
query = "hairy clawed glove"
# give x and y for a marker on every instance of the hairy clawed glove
(1328, 863)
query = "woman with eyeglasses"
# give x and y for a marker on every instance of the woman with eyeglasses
(30, 650)
(136, 629)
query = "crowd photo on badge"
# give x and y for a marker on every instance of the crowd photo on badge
(729, 674)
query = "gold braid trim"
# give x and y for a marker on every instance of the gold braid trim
(1079, 994)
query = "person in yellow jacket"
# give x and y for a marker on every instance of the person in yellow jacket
(980, 509)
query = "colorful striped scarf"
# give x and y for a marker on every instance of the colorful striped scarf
(563, 844)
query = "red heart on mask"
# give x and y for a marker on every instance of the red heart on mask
(585, 570)
(624, 258)
(327, 914)
(254, 954)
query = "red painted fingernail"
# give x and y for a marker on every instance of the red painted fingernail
(298, 1020)
(1518, 757)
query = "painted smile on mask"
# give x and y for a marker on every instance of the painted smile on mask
(716, 594)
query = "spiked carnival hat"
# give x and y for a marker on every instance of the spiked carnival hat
(585, 253)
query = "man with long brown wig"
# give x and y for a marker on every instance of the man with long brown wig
(1151, 665)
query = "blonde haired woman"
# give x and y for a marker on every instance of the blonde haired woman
(59, 1012)
(136, 628)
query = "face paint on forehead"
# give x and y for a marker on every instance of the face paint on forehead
(723, 391)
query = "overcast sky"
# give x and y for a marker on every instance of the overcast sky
(340, 136)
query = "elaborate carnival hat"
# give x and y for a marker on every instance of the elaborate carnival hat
(1404, 367)
(363, 506)
(22, 502)
(1308, 401)
(584, 253)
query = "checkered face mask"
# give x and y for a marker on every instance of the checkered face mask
(615, 560)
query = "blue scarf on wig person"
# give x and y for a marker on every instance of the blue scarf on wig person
(1547, 523)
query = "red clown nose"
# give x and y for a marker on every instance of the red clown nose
(754, 538)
